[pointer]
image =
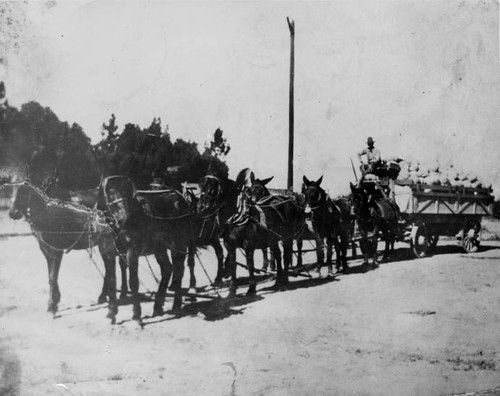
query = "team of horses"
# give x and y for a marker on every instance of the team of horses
(127, 223)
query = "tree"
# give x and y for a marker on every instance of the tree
(50, 148)
(218, 146)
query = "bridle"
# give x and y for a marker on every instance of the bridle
(213, 197)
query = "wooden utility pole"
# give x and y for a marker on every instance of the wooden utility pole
(291, 27)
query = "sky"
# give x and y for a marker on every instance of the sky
(421, 78)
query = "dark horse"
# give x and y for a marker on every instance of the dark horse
(374, 214)
(152, 222)
(262, 223)
(92, 198)
(216, 204)
(326, 219)
(62, 227)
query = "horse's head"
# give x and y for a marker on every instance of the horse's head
(119, 193)
(358, 200)
(25, 197)
(313, 194)
(245, 179)
(211, 194)
(257, 190)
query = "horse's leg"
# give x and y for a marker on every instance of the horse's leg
(272, 260)
(252, 287)
(299, 252)
(219, 253)
(54, 258)
(330, 241)
(387, 239)
(265, 259)
(275, 248)
(287, 258)
(166, 271)
(364, 246)
(320, 253)
(190, 261)
(133, 264)
(344, 241)
(104, 291)
(123, 270)
(374, 243)
(230, 268)
(178, 258)
(108, 255)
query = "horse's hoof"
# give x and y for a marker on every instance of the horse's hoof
(176, 310)
(280, 286)
(365, 263)
(123, 297)
(251, 291)
(157, 311)
(112, 317)
(330, 274)
(140, 322)
(102, 299)
(52, 308)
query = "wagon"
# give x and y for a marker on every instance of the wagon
(430, 211)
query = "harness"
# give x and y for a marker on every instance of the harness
(93, 227)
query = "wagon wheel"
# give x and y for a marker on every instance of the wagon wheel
(471, 238)
(421, 240)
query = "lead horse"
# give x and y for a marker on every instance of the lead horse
(92, 198)
(61, 227)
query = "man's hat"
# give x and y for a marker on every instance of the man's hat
(370, 140)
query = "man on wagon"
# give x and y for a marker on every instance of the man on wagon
(373, 158)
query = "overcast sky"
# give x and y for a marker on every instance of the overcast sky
(422, 78)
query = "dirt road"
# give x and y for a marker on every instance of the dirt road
(410, 327)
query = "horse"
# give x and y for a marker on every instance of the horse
(152, 222)
(374, 214)
(216, 204)
(327, 220)
(92, 198)
(61, 227)
(262, 221)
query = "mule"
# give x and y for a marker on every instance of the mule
(152, 222)
(375, 214)
(92, 198)
(62, 227)
(326, 220)
(217, 203)
(262, 221)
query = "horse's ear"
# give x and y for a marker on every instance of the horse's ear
(305, 180)
(265, 181)
(318, 182)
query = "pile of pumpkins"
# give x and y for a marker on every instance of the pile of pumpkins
(434, 173)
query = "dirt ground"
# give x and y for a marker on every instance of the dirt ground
(410, 327)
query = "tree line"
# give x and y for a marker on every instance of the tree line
(55, 151)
